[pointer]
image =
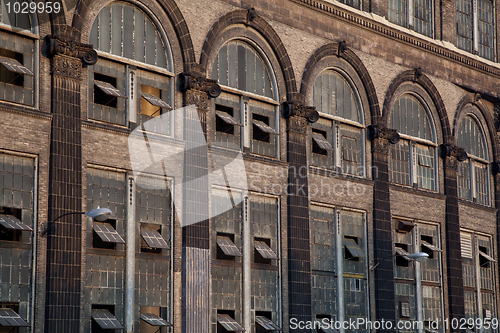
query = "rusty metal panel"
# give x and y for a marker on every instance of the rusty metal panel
(196, 290)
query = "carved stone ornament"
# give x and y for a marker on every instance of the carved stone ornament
(67, 66)
(452, 155)
(61, 46)
(383, 133)
(251, 15)
(198, 98)
(417, 73)
(342, 47)
(294, 108)
(191, 81)
(297, 125)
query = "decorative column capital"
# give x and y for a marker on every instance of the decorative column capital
(197, 89)
(299, 115)
(452, 155)
(382, 138)
(68, 55)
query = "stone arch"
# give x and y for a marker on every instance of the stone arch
(332, 49)
(417, 77)
(257, 23)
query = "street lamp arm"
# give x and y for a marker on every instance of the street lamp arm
(417, 256)
(43, 233)
(375, 266)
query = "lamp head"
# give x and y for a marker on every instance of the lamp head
(418, 256)
(99, 214)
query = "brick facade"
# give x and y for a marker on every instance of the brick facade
(294, 40)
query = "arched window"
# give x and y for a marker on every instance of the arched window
(338, 136)
(247, 107)
(413, 159)
(17, 79)
(132, 81)
(473, 174)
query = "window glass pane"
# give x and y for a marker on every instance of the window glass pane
(245, 69)
(323, 240)
(471, 137)
(224, 134)
(400, 163)
(464, 180)
(18, 20)
(409, 117)
(464, 25)
(398, 12)
(154, 118)
(263, 219)
(486, 31)
(333, 94)
(355, 290)
(134, 35)
(263, 143)
(320, 157)
(425, 167)
(422, 17)
(352, 3)
(481, 175)
(350, 145)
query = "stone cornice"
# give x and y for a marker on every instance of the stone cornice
(383, 29)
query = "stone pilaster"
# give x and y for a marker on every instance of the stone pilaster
(299, 245)
(195, 223)
(452, 156)
(64, 240)
(385, 295)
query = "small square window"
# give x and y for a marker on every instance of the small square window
(261, 131)
(103, 86)
(263, 253)
(105, 235)
(151, 239)
(401, 255)
(226, 249)
(224, 121)
(11, 227)
(264, 322)
(103, 319)
(12, 70)
(352, 250)
(10, 320)
(320, 143)
(227, 323)
(151, 101)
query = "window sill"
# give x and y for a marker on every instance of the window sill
(153, 256)
(106, 126)
(15, 245)
(106, 252)
(476, 205)
(418, 191)
(24, 110)
(324, 172)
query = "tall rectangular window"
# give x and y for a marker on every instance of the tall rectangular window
(412, 14)
(338, 262)
(478, 276)
(411, 237)
(16, 69)
(475, 27)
